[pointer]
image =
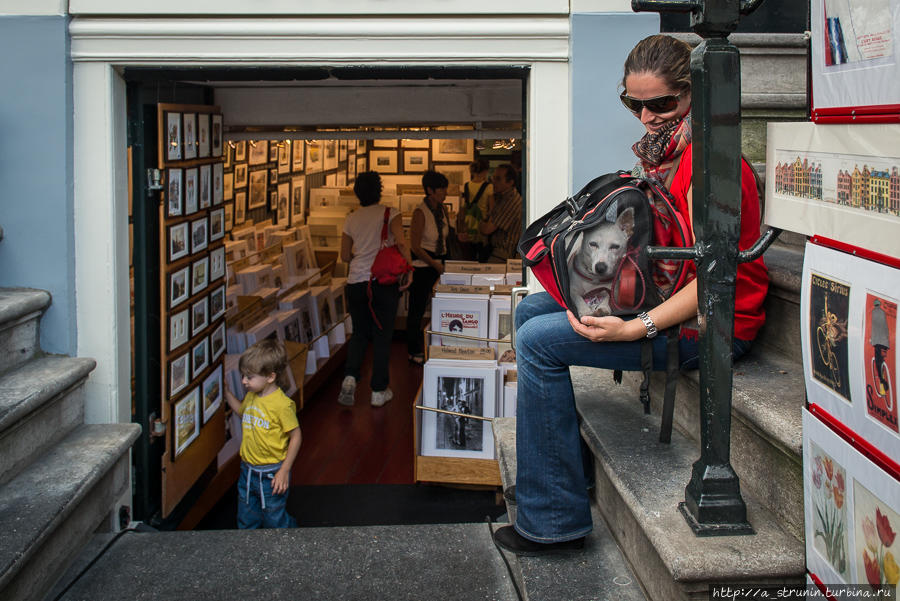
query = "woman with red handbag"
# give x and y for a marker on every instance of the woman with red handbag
(368, 233)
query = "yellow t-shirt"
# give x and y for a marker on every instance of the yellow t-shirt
(265, 423)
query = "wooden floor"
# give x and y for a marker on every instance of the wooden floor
(360, 444)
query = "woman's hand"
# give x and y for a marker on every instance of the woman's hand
(604, 329)
(405, 280)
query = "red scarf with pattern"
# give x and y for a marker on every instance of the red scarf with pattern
(659, 151)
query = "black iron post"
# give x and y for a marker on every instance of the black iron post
(713, 504)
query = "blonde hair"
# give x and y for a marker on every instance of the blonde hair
(264, 358)
(664, 56)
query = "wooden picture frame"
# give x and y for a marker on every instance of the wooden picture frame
(240, 175)
(216, 224)
(199, 235)
(179, 368)
(179, 241)
(186, 428)
(199, 316)
(174, 192)
(217, 341)
(189, 126)
(179, 287)
(200, 357)
(218, 184)
(199, 275)
(415, 161)
(240, 207)
(191, 191)
(258, 185)
(203, 135)
(453, 149)
(240, 151)
(173, 138)
(179, 329)
(205, 186)
(216, 303)
(383, 161)
(217, 135)
(212, 393)
(259, 152)
(217, 263)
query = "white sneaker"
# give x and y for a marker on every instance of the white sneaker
(348, 390)
(382, 397)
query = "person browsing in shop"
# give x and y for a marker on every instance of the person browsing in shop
(270, 437)
(503, 223)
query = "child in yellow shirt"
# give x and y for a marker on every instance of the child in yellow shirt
(271, 437)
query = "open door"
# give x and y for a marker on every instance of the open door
(191, 293)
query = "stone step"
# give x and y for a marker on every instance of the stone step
(639, 484)
(51, 508)
(766, 425)
(40, 402)
(20, 313)
(448, 561)
(598, 572)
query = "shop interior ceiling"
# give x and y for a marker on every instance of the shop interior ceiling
(359, 102)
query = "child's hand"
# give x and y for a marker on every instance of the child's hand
(280, 482)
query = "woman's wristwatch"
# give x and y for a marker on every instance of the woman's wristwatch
(648, 323)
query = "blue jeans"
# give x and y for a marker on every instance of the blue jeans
(552, 501)
(257, 506)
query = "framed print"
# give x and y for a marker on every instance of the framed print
(259, 152)
(240, 207)
(218, 184)
(216, 135)
(284, 195)
(178, 241)
(191, 191)
(298, 206)
(217, 303)
(384, 161)
(216, 224)
(174, 141)
(258, 188)
(203, 141)
(415, 161)
(178, 374)
(385, 143)
(240, 175)
(273, 200)
(361, 165)
(284, 156)
(199, 316)
(351, 145)
(313, 157)
(331, 180)
(456, 149)
(229, 216)
(216, 263)
(199, 235)
(273, 175)
(273, 151)
(472, 391)
(228, 186)
(331, 157)
(205, 186)
(459, 316)
(341, 179)
(199, 275)
(174, 188)
(187, 420)
(178, 287)
(342, 151)
(212, 393)
(298, 148)
(412, 143)
(178, 329)
(217, 341)
(361, 147)
(457, 175)
(351, 170)
(240, 151)
(229, 154)
(190, 135)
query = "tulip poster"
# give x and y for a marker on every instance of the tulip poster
(852, 512)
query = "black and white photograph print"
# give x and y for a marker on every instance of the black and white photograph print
(464, 391)
(203, 135)
(178, 329)
(216, 135)
(178, 241)
(217, 341)
(218, 183)
(190, 136)
(216, 263)
(258, 188)
(199, 316)
(284, 156)
(199, 275)
(190, 191)
(205, 186)
(284, 193)
(174, 142)
(178, 287)
(175, 200)
(216, 224)
(273, 151)
(217, 303)
(297, 206)
(199, 235)
(178, 374)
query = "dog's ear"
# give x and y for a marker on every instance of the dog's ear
(625, 221)
(576, 245)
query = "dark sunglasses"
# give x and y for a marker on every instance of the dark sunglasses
(659, 104)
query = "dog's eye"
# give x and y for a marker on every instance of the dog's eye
(615, 246)
(593, 245)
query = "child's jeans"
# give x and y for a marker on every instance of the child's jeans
(257, 506)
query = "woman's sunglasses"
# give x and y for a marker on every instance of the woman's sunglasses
(659, 104)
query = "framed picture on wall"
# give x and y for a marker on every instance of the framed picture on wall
(216, 224)
(178, 287)
(189, 121)
(415, 161)
(240, 207)
(410, 143)
(212, 393)
(228, 186)
(199, 235)
(384, 143)
(229, 153)
(351, 170)
(313, 157)
(187, 421)
(331, 157)
(174, 140)
(298, 208)
(284, 156)
(216, 263)
(240, 175)
(199, 275)
(218, 183)
(258, 188)
(342, 150)
(174, 189)
(284, 196)
(457, 175)
(240, 151)
(178, 329)
(273, 175)
(455, 149)
(217, 303)
(384, 161)
(200, 356)
(297, 151)
(229, 216)
(191, 193)
(259, 152)
(203, 135)
(205, 186)
(273, 200)
(273, 151)
(362, 165)
(178, 374)
(217, 135)
(199, 316)
(217, 341)
(178, 241)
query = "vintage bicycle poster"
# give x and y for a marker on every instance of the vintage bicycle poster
(829, 305)
(879, 355)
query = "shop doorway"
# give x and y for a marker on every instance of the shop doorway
(323, 107)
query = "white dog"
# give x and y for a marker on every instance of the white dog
(593, 264)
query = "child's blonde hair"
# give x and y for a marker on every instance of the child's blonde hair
(266, 357)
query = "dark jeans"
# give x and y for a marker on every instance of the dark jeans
(384, 303)
(419, 293)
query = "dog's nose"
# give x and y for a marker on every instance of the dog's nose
(599, 267)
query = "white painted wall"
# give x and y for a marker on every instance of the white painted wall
(33, 7)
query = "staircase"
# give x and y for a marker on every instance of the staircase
(59, 477)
